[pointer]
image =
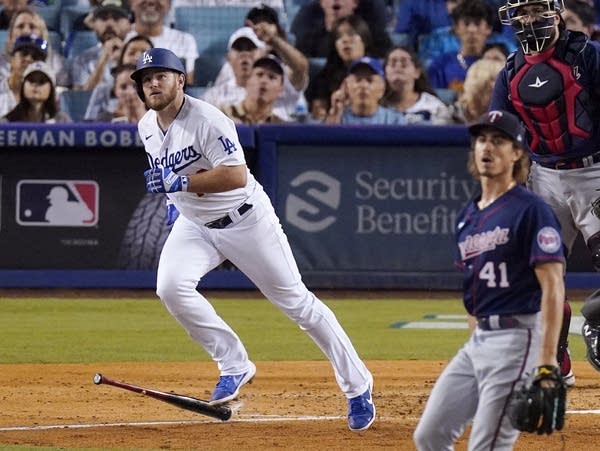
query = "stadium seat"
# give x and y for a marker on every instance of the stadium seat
(74, 103)
(78, 41)
(50, 14)
(196, 91)
(211, 26)
(68, 15)
(315, 64)
(55, 41)
(206, 69)
(448, 96)
(3, 38)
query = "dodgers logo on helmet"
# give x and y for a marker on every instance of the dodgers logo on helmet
(548, 240)
(57, 203)
(147, 58)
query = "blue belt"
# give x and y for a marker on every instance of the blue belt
(496, 322)
(223, 222)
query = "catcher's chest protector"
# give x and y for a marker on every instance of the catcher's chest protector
(546, 92)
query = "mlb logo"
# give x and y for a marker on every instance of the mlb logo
(54, 203)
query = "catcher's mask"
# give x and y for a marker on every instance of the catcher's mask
(534, 28)
(156, 58)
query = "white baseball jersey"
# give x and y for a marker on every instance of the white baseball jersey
(200, 138)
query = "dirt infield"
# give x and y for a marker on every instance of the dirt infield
(293, 405)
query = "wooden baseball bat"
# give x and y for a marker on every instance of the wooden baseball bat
(184, 402)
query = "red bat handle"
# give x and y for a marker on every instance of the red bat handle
(184, 402)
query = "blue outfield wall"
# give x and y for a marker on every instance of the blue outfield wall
(363, 207)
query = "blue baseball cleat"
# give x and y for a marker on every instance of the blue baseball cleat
(361, 411)
(228, 387)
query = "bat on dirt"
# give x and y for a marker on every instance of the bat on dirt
(184, 402)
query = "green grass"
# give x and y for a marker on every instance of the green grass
(111, 330)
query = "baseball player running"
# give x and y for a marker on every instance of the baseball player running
(511, 254)
(197, 160)
(553, 84)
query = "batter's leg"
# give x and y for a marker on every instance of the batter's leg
(259, 248)
(186, 256)
(451, 404)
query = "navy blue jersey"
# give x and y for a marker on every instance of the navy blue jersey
(557, 96)
(498, 249)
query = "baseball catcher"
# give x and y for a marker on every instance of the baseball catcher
(540, 404)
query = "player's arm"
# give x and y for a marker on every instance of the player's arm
(217, 180)
(550, 278)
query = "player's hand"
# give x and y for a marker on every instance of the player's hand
(164, 180)
(172, 213)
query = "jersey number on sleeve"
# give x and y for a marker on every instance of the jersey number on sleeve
(488, 272)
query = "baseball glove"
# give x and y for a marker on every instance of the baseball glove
(535, 408)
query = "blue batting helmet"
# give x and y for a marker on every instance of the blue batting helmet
(156, 58)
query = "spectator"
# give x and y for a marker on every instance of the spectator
(315, 20)
(103, 101)
(25, 22)
(476, 97)
(129, 107)
(357, 100)
(443, 40)
(408, 90)
(264, 22)
(85, 21)
(37, 98)
(495, 51)
(580, 16)
(244, 48)
(472, 24)
(149, 21)
(262, 90)
(349, 40)
(26, 50)
(111, 23)
(9, 7)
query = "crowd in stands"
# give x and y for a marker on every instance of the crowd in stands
(283, 61)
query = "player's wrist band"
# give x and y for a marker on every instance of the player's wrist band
(185, 182)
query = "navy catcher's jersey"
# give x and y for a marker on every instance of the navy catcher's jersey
(498, 249)
(557, 96)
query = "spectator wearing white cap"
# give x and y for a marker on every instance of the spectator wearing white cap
(244, 47)
(37, 97)
(263, 88)
(150, 22)
(357, 101)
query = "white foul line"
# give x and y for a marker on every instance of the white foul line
(245, 419)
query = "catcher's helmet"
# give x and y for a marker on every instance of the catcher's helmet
(156, 58)
(534, 35)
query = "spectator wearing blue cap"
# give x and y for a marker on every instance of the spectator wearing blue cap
(25, 22)
(357, 102)
(26, 50)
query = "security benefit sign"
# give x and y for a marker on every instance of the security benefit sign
(384, 209)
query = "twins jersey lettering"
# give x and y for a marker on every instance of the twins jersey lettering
(504, 266)
(200, 138)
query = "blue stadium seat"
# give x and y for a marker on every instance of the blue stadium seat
(206, 69)
(55, 41)
(196, 91)
(78, 41)
(3, 38)
(74, 103)
(51, 15)
(210, 25)
(448, 96)
(315, 64)
(68, 14)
